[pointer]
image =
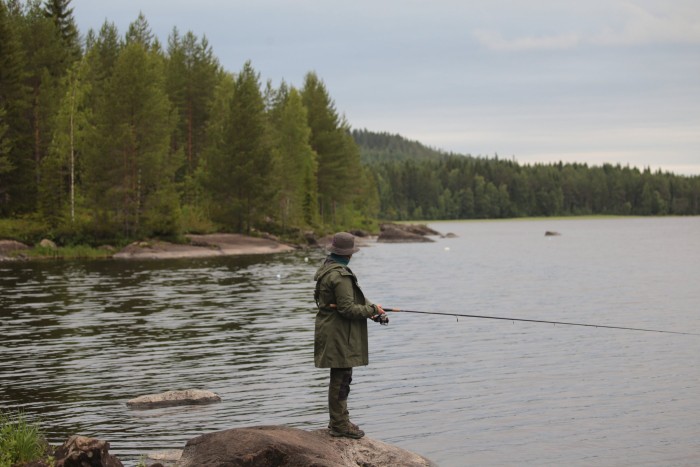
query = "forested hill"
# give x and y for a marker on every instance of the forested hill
(416, 182)
(383, 147)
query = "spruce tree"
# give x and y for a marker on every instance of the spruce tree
(239, 166)
(47, 61)
(140, 32)
(5, 145)
(62, 16)
(338, 156)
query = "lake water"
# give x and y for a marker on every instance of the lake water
(78, 339)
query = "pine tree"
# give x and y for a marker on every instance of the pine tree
(17, 174)
(294, 162)
(129, 168)
(192, 72)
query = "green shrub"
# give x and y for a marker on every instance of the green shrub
(194, 220)
(25, 230)
(20, 440)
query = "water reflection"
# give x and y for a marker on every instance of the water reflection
(79, 339)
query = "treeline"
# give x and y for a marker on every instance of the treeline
(110, 137)
(416, 182)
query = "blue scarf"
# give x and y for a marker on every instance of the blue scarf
(339, 259)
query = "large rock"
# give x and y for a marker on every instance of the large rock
(398, 233)
(8, 249)
(48, 244)
(270, 446)
(170, 398)
(418, 229)
(80, 451)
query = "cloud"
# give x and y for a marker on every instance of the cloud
(622, 23)
(647, 26)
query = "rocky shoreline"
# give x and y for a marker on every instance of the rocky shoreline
(260, 446)
(227, 244)
(198, 246)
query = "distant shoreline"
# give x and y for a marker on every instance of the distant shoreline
(199, 246)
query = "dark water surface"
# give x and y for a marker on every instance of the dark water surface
(78, 339)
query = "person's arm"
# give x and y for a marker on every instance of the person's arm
(345, 300)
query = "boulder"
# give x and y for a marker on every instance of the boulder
(8, 247)
(269, 446)
(419, 229)
(171, 398)
(80, 451)
(551, 233)
(310, 238)
(49, 244)
(392, 234)
(360, 233)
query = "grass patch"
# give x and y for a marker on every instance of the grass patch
(20, 440)
(25, 230)
(67, 252)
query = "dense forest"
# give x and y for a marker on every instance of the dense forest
(114, 137)
(417, 182)
(110, 137)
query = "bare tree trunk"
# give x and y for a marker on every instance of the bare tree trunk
(37, 135)
(189, 136)
(72, 156)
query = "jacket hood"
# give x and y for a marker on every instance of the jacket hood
(327, 267)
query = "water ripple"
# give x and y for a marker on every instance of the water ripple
(80, 339)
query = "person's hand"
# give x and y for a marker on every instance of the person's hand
(381, 317)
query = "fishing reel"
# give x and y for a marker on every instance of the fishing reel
(382, 319)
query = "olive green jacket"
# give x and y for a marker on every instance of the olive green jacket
(340, 339)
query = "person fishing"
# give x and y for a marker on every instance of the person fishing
(340, 336)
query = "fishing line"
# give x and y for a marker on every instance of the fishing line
(563, 323)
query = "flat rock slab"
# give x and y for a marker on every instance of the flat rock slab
(271, 446)
(202, 246)
(171, 398)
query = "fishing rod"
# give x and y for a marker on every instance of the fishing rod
(459, 315)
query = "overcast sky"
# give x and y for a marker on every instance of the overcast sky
(591, 81)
